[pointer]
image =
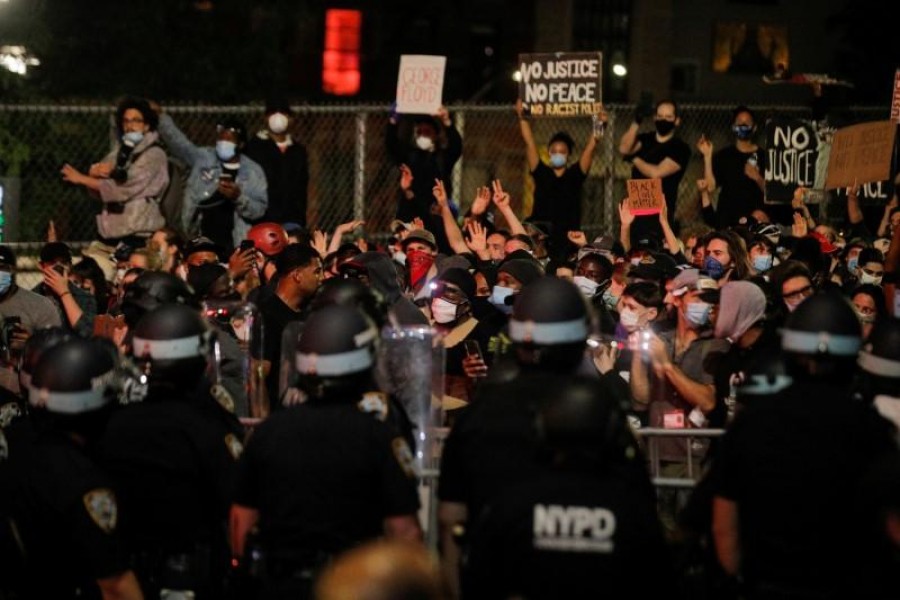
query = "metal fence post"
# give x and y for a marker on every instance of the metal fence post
(609, 182)
(359, 176)
(458, 167)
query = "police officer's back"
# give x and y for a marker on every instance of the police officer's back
(61, 508)
(173, 457)
(328, 474)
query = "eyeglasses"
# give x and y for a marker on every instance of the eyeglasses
(137, 121)
(801, 293)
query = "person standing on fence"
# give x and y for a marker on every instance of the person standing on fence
(785, 474)
(557, 188)
(659, 154)
(285, 164)
(435, 148)
(130, 180)
(736, 170)
(226, 190)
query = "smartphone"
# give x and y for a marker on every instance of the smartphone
(247, 245)
(61, 269)
(473, 348)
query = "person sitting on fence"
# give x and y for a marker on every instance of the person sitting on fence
(226, 190)
(131, 179)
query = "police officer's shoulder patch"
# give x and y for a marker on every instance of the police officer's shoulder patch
(102, 508)
(4, 447)
(375, 404)
(8, 413)
(234, 445)
(404, 456)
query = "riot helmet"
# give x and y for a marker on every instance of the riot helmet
(766, 376)
(550, 324)
(821, 338)
(879, 360)
(172, 345)
(152, 289)
(336, 352)
(268, 238)
(38, 343)
(73, 386)
(354, 293)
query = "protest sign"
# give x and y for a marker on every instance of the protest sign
(645, 196)
(420, 84)
(793, 153)
(874, 193)
(861, 154)
(562, 84)
(895, 99)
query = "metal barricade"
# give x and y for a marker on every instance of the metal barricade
(650, 436)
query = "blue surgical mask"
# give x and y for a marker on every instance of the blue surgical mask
(498, 298)
(5, 281)
(852, 263)
(697, 314)
(713, 268)
(762, 263)
(557, 161)
(133, 138)
(743, 132)
(610, 301)
(225, 150)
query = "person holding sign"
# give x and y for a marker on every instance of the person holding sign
(660, 154)
(557, 187)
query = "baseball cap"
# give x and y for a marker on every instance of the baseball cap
(202, 244)
(419, 235)
(655, 266)
(692, 279)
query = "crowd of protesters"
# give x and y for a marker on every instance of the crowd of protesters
(559, 353)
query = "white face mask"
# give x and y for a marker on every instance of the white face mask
(278, 123)
(866, 278)
(443, 311)
(587, 286)
(499, 294)
(425, 143)
(629, 319)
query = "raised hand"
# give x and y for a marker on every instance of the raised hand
(440, 193)
(705, 146)
(482, 200)
(319, 242)
(501, 197)
(477, 241)
(578, 238)
(406, 178)
(418, 223)
(625, 214)
(703, 186)
(799, 228)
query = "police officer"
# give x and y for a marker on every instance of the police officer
(322, 476)
(173, 458)
(784, 478)
(492, 445)
(577, 529)
(61, 510)
(879, 365)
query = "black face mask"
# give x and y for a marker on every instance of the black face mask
(664, 127)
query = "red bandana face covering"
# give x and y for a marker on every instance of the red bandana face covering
(418, 262)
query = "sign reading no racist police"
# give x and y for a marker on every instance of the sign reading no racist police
(562, 84)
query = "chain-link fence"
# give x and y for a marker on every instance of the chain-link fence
(350, 174)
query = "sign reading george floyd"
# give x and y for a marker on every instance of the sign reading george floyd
(861, 154)
(645, 196)
(420, 84)
(562, 84)
(793, 158)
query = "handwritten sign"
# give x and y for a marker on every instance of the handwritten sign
(793, 152)
(562, 84)
(420, 84)
(895, 99)
(645, 196)
(861, 153)
(874, 193)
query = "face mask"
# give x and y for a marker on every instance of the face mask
(743, 132)
(697, 314)
(713, 268)
(629, 319)
(557, 161)
(133, 138)
(853, 262)
(443, 311)
(635, 261)
(664, 127)
(425, 143)
(792, 306)
(587, 287)
(762, 262)
(399, 257)
(278, 123)
(498, 298)
(225, 150)
(5, 281)
(609, 300)
(866, 278)
(864, 319)
(418, 262)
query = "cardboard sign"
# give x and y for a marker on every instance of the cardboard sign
(645, 196)
(895, 100)
(861, 153)
(874, 193)
(420, 84)
(562, 84)
(793, 155)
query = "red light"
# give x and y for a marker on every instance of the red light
(340, 59)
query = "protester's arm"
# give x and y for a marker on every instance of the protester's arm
(664, 169)
(123, 586)
(626, 218)
(339, 232)
(451, 228)
(477, 241)
(884, 226)
(59, 285)
(629, 144)
(639, 381)
(706, 208)
(695, 393)
(454, 141)
(397, 150)
(798, 203)
(531, 151)
(726, 534)
(178, 143)
(502, 201)
(706, 150)
(148, 177)
(587, 155)
(671, 239)
(891, 271)
(242, 520)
